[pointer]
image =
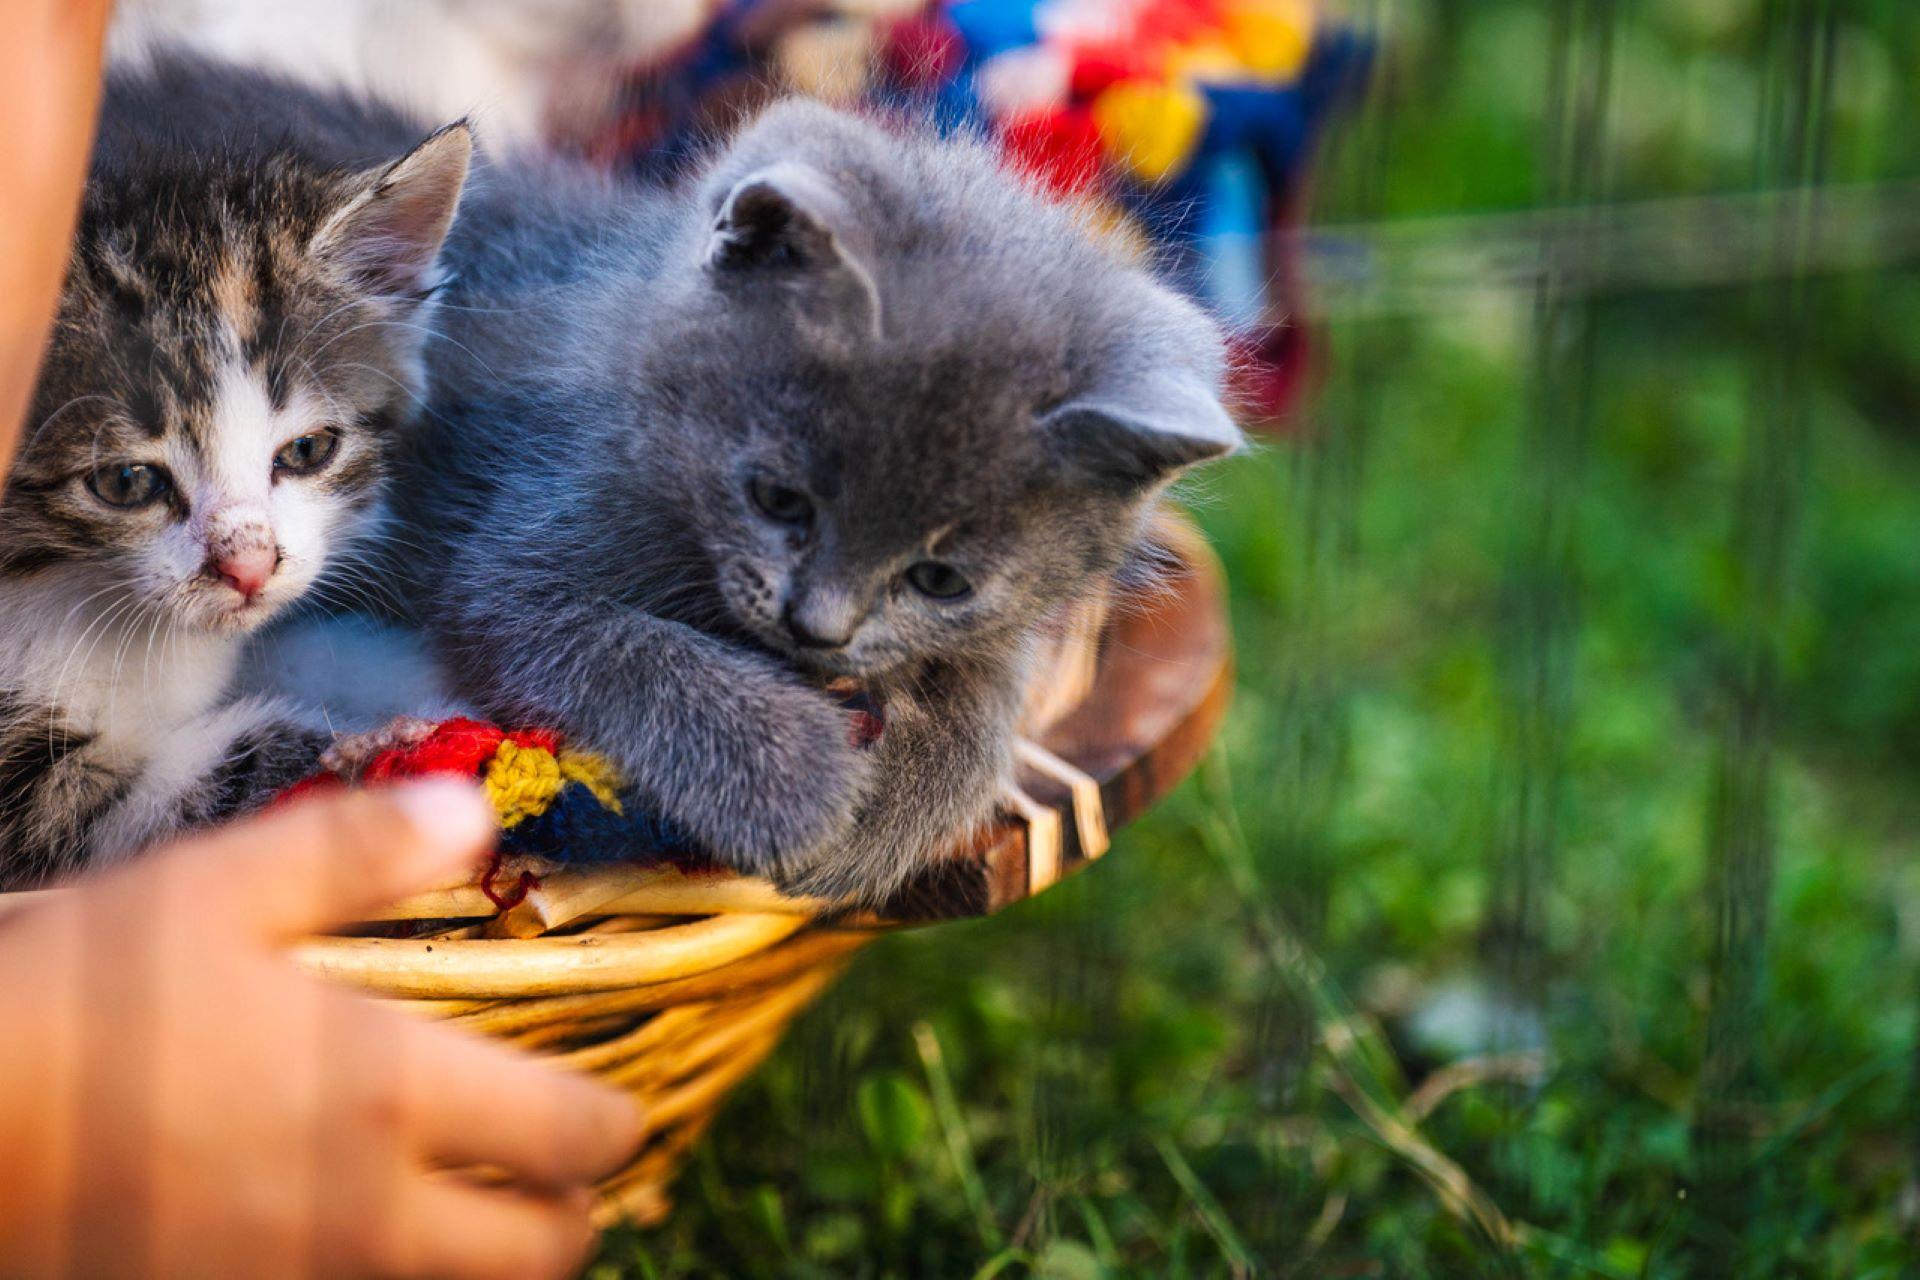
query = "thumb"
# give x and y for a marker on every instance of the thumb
(328, 860)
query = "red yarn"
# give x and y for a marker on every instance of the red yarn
(924, 50)
(1271, 368)
(1097, 65)
(455, 746)
(514, 896)
(315, 785)
(1060, 146)
(1175, 21)
(866, 728)
(538, 739)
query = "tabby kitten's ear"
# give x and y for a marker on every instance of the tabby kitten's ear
(786, 224)
(387, 236)
(1140, 429)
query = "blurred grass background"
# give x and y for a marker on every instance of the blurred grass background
(1550, 906)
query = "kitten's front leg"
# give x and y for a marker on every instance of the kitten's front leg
(230, 761)
(942, 762)
(756, 765)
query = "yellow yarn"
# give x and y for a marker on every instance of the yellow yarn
(596, 774)
(1149, 128)
(522, 782)
(1211, 59)
(1270, 38)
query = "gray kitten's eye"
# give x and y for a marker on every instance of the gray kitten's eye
(941, 581)
(777, 502)
(304, 455)
(129, 484)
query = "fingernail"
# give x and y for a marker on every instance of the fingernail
(453, 814)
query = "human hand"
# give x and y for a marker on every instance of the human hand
(176, 1098)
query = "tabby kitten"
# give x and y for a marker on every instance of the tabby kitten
(239, 339)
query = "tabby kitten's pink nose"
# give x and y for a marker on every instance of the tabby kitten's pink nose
(247, 571)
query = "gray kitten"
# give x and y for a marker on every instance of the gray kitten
(237, 344)
(853, 403)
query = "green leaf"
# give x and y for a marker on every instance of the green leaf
(1068, 1260)
(764, 1207)
(894, 1113)
(832, 1236)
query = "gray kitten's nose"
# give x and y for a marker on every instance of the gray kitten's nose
(821, 620)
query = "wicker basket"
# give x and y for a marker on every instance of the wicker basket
(676, 987)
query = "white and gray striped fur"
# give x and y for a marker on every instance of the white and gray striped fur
(850, 402)
(237, 349)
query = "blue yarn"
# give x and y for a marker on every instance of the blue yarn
(578, 829)
(993, 26)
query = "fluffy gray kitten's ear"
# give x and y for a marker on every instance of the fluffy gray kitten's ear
(387, 236)
(1148, 427)
(787, 223)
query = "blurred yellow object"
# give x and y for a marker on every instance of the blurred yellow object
(1149, 128)
(1110, 224)
(1206, 60)
(1270, 38)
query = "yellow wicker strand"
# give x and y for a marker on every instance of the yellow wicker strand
(742, 1023)
(689, 1100)
(638, 1193)
(562, 897)
(658, 1161)
(661, 1029)
(543, 1038)
(541, 966)
(812, 947)
(437, 1008)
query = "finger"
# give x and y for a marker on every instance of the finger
(478, 1103)
(447, 1227)
(327, 860)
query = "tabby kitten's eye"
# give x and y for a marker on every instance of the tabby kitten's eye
(129, 484)
(304, 455)
(779, 503)
(941, 581)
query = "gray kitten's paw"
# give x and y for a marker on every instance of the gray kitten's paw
(875, 859)
(775, 775)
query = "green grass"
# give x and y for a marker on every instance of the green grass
(1550, 904)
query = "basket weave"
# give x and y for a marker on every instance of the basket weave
(675, 987)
